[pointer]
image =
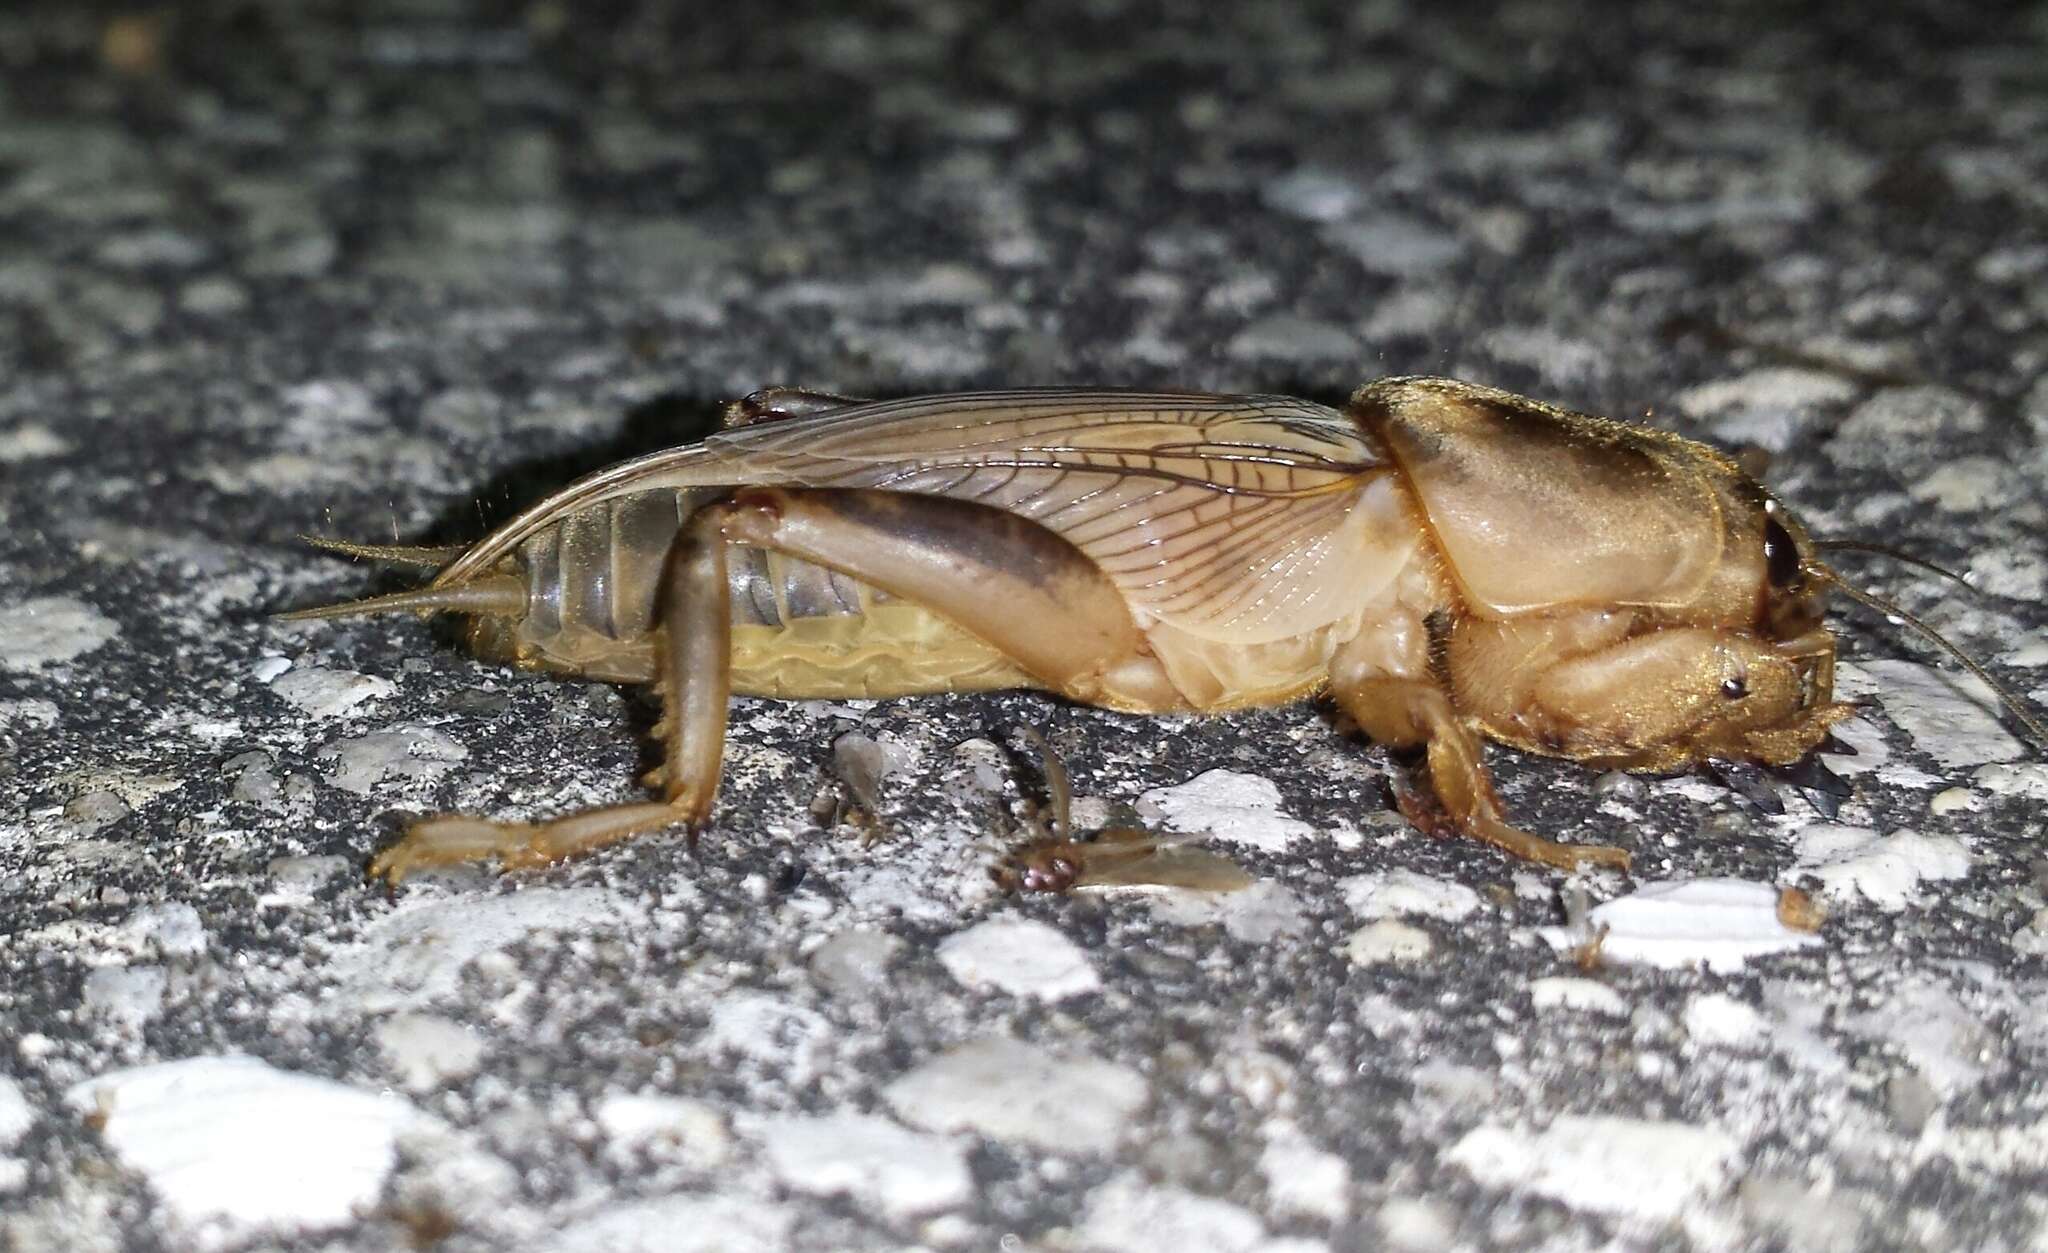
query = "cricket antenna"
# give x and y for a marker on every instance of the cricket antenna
(1870, 600)
(1896, 554)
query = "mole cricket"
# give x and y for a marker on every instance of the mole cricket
(1452, 563)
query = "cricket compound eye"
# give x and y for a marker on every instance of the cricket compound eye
(1781, 555)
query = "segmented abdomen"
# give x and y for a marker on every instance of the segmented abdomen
(593, 584)
(598, 571)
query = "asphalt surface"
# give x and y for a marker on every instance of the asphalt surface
(388, 271)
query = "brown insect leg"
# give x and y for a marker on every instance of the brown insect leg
(696, 665)
(454, 840)
(1022, 589)
(1401, 711)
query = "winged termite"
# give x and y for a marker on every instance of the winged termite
(1056, 859)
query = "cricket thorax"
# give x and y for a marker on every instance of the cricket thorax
(1273, 639)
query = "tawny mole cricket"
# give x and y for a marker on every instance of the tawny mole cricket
(1450, 562)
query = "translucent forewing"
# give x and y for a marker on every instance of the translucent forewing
(1210, 513)
(1057, 861)
(1119, 858)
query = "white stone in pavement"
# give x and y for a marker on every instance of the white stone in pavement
(1020, 956)
(870, 1159)
(233, 1138)
(1010, 1090)
(1626, 1167)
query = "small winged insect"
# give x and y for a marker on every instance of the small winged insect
(1452, 564)
(1058, 860)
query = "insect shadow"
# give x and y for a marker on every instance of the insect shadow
(660, 421)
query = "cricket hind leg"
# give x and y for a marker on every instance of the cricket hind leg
(1404, 707)
(1020, 588)
(1016, 586)
(694, 660)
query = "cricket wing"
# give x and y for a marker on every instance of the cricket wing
(1170, 866)
(1213, 513)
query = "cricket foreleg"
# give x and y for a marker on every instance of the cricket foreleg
(1397, 702)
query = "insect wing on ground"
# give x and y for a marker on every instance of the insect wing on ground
(1155, 861)
(1118, 858)
(1056, 860)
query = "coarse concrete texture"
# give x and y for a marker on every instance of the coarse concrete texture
(387, 270)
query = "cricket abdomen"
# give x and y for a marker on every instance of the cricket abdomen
(893, 648)
(593, 583)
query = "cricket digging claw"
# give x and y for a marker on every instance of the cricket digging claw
(1419, 806)
(1746, 779)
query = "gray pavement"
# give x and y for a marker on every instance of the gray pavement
(388, 271)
